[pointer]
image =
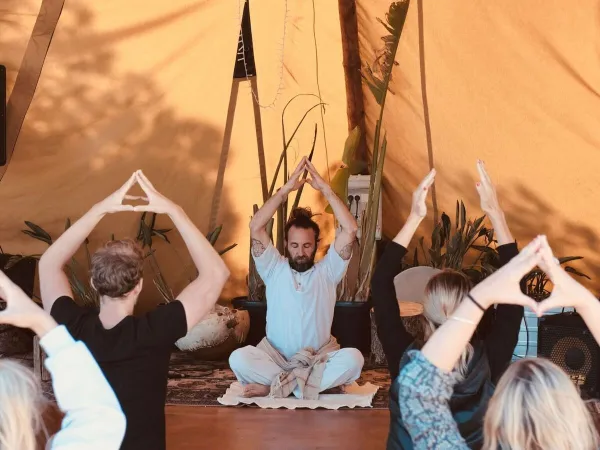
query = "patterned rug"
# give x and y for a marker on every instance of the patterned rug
(200, 383)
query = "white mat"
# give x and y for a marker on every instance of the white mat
(355, 396)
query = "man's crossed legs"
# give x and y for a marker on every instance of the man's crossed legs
(256, 370)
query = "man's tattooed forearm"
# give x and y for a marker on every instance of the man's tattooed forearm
(258, 247)
(346, 252)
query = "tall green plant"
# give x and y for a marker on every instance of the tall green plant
(377, 77)
(256, 287)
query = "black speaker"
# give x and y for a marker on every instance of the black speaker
(567, 342)
(2, 115)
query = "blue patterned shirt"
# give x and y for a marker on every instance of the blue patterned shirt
(423, 396)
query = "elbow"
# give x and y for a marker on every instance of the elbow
(43, 263)
(115, 425)
(352, 230)
(377, 282)
(254, 227)
(222, 274)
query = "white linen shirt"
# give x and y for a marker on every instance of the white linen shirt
(300, 305)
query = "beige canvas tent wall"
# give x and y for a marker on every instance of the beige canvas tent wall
(144, 84)
(516, 84)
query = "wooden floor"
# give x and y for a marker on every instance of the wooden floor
(190, 427)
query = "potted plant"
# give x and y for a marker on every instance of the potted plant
(351, 323)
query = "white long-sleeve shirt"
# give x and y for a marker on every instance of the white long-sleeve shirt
(93, 416)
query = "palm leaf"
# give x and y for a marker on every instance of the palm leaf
(226, 249)
(38, 231)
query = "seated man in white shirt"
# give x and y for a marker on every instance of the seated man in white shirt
(299, 355)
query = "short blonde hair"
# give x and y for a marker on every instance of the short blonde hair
(21, 407)
(537, 407)
(443, 293)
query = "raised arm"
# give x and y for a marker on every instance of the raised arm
(426, 382)
(491, 206)
(93, 416)
(199, 297)
(390, 329)
(344, 239)
(504, 322)
(258, 224)
(568, 292)
(53, 280)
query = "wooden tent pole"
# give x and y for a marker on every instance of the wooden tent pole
(352, 65)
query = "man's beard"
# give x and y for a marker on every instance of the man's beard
(302, 263)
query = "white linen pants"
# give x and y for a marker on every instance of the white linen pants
(252, 365)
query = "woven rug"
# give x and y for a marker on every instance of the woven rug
(200, 383)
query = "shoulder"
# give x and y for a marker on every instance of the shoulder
(65, 308)
(163, 325)
(168, 311)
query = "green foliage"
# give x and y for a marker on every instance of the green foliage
(450, 245)
(377, 77)
(80, 285)
(147, 231)
(256, 287)
(78, 274)
(537, 281)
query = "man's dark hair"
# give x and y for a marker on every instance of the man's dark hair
(302, 218)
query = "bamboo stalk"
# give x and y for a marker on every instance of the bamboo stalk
(355, 108)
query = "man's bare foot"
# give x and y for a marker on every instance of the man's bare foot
(256, 390)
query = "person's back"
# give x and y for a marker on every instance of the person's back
(134, 356)
(133, 352)
(468, 402)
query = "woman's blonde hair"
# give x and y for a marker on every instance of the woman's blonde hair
(537, 407)
(21, 407)
(443, 293)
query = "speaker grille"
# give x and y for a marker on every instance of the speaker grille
(567, 342)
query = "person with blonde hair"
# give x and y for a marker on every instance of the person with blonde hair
(134, 352)
(535, 405)
(484, 359)
(93, 416)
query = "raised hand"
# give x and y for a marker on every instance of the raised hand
(419, 199)
(315, 180)
(114, 202)
(503, 286)
(294, 182)
(487, 192)
(20, 310)
(157, 202)
(566, 292)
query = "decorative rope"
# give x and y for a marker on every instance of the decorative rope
(322, 109)
(241, 56)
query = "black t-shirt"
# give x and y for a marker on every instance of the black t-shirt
(134, 356)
